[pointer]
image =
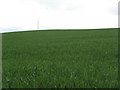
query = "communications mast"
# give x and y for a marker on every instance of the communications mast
(38, 25)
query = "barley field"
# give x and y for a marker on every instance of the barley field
(60, 58)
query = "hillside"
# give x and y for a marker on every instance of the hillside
(60, 59)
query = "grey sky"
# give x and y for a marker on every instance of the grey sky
(58, 14)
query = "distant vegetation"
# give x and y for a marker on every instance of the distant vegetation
(38, 59)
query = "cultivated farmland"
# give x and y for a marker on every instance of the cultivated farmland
(73, 58)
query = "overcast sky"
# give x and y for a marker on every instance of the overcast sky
(57, 14)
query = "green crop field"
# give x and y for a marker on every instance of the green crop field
(73, 58)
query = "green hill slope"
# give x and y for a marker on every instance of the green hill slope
(60, 59)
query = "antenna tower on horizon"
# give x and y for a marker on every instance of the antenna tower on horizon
(38, 25)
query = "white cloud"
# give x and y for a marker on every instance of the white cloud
(58, 13)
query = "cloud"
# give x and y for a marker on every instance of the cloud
(58, 14)
(114, 9)
(60, 4)
(11, 29)
(50, 3)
